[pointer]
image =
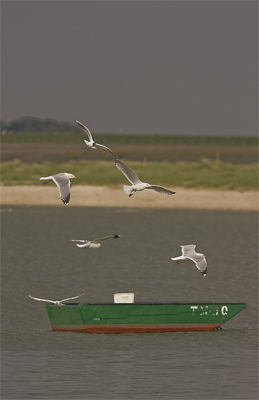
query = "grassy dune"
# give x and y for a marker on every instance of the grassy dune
(202, 174)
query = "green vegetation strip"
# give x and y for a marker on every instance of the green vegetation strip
(124, 139)
(203, 174)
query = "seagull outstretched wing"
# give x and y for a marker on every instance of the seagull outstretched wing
(105, 238)
(71, 298)
(86, 130)
(35, 298)
(128, 172)
(160, 189)
(106, 148)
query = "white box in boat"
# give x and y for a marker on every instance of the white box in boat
(123, 297)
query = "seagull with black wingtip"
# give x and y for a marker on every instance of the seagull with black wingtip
(93, 244)
(63, 183)
(189, 253)
(91, 144)
(137, 185)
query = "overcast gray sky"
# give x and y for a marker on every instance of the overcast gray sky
(174, 67)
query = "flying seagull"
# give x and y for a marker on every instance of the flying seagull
(188, 252)
(58, 303)
(62, 181)
(92, 144)
(93, 244)
(137, 185)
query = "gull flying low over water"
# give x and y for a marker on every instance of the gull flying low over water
(188, 252)
(137, 185)
(92, 144)
(62, 181)
(93, 244)
(58, 303)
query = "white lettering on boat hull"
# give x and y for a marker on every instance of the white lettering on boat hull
(209, 310)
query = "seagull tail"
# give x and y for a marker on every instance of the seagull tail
(128, 190)
(87, 145)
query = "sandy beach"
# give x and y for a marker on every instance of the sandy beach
(100, 196)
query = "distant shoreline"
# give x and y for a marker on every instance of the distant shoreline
(101, 196)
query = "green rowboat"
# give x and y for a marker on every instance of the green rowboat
(141, 317)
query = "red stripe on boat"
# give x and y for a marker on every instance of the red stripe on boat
(135, 328)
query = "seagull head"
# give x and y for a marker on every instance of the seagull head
(70, 176)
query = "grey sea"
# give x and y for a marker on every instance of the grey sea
(38, 258)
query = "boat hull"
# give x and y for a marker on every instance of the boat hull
(135, 328)
(141, 317)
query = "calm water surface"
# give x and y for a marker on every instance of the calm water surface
(38, 258)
